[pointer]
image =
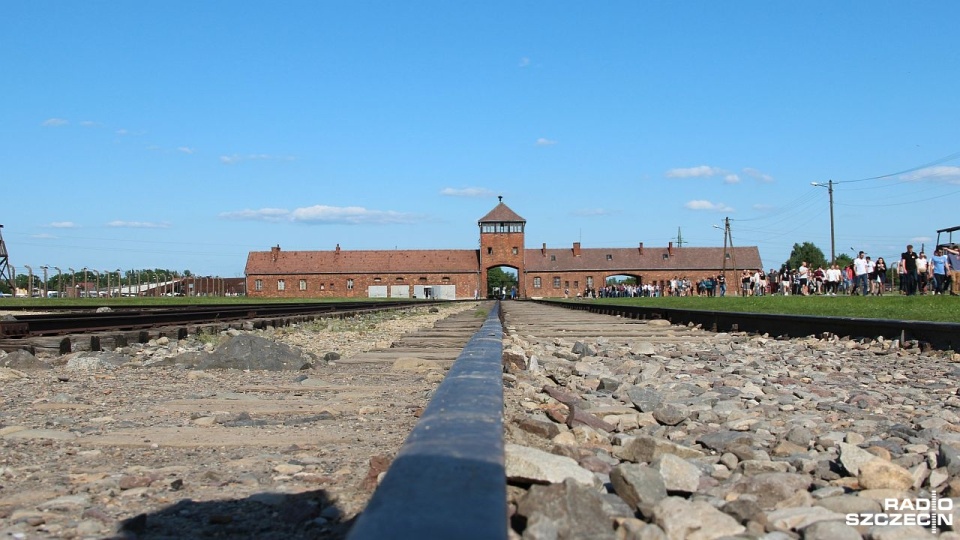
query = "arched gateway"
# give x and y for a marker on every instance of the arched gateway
(462, 273)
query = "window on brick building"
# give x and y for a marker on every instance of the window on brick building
(609, 257)
(281, 285)
(515, 250)
(566, 284)
(576, 284)
(489, 251)
(303, 285)
(536, 283)
(553, 257)
(349, 284)
(399, 279)
(556, 283)
(589, 282)
(376, 280)
(445, 279)
(422, 279)
(258, 285)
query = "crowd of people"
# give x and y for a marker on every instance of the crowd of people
(913, 274)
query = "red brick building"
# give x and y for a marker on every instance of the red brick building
(458, 274)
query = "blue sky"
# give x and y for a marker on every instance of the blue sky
(183, 135)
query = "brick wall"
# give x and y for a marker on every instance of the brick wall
(502, 249)
(336, 285)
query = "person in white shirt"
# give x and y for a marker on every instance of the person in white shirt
(861, 276)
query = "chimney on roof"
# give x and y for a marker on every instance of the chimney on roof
(338, 249)
(543, 250)
(669, 249)
(576, 249)
(641, 248)
(275, 252)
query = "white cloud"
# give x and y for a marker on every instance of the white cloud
(703, 171)
(54, 122)
(324, 215)
(763, 207)
(63, 225)
(701, 204)
(137, 225)
(88, 123)
(941, 173)
(353, 215)
(466, 192)
(186, 149)
(43, 236)
(754, 173)
(524, 62)
(731, 179)
(543, 141)
(917, 240)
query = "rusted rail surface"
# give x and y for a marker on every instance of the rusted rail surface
(131, 319)
(89, 330)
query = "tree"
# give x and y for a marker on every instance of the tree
(806, 252)
(498, 280)
(844, 260)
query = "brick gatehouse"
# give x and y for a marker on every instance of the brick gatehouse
(462, 273)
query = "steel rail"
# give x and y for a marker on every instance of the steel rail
(937, 335)
(72, 323)
(449, 479)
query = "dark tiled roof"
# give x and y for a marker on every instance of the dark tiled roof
(500, 214)
(612, 259)
(360, 262)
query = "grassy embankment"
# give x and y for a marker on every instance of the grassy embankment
(917, 308)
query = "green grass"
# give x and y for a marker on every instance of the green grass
(894, 306)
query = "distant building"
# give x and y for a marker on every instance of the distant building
(460, 274)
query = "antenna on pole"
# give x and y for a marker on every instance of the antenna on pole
(6, 272)
(680, 241)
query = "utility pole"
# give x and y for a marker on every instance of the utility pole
(833, 244)
(680, 241)
(728, 240)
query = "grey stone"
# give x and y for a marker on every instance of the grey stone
(564, 511)
(693, 520)
(24, 361)
(850, 504)
(853, 457)
(720, 441)
(527, 464)
(830, 530)
(773, 488)
(671, 414)
(638, 484)
(677, 473)
(800, 436)
(644, 449)
(644, 399)
(253, 353)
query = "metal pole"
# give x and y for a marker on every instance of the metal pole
(45, 268)
(833, 244)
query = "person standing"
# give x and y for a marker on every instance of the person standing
(909, 258)
(939, 264)
(861, 275)
(923, 273)
(880, 270)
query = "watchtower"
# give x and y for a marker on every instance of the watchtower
(501, 243)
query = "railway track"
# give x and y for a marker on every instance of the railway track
(592, 403)
(81, 328)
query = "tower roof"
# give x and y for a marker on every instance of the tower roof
(501, 213)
